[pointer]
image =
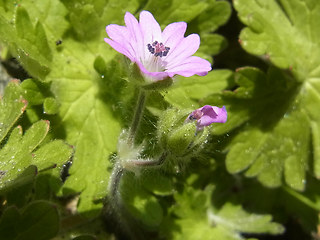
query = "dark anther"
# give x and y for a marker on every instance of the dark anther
(158, 49)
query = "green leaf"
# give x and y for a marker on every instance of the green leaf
(20, 151)
(274, 143)
(18, 191)
(189, 92)
(38, 221)
(211, 44)
(8, 223)
(17, 152)
(234, 218)
(50, 106)
(216, 14)
(12, 105)
(157, 183)
(48, 155)
(197, 219)
(34, 49)
(291, 44)
(23, 25)
(175, 10)
(141, 204)
(276, 139)
(33, 91)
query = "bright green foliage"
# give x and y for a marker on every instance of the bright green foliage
(294, 44)
(234, 218)
(140, 203)
(276, 141)
(17, 191)
(11, 107)
(189, 92)
(27, 41)
(280, 109)
(84, 88)
(197, 220)
(19, 151)
(50, 106)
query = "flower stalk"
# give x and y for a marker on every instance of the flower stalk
(119, 169)
(137, 116)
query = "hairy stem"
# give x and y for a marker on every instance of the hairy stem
(115, 199)
(150, 163)
(118, 171)
(137, 116)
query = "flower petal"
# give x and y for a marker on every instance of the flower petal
(121, 35)
(155, 76)
(136, 36)
(212, 114)
(120, 48)
(222, 115)
(187, 47)
(117, 33)
(191, 66)
(150, 29)
(173, 34)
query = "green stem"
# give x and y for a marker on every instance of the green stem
(301, 198)
(115, 198)
(137, 116)
(150, 163)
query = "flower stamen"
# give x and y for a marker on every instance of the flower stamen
(196, 114)
(158, 49)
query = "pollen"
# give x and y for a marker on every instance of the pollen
(158, 49)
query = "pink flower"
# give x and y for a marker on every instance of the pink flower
(158, 54)
(208, 115)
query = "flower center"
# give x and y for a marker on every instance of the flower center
(196, 114)
(158, 49)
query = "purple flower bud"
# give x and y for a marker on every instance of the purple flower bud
(207, 115)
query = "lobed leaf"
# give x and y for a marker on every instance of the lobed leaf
(12, 105)
(196, 218)
(292, 44)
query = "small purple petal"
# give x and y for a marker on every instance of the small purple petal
(208, 115)
(222, 115)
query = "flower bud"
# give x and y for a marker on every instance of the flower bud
(178, 136)
(170, 119)
(182, 134)
(181, 139)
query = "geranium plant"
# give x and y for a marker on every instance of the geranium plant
(159, 119)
